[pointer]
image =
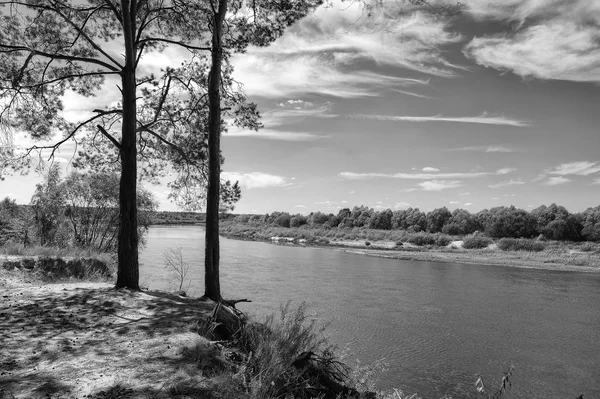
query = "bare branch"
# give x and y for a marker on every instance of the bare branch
(6, 48)
(108, 136)
(163, 40)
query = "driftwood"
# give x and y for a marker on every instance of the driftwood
(224, 323)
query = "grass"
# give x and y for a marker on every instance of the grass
(399, 244)
(50, 264)
(17, 249)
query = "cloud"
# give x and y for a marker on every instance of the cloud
(551, 39)
(506, 183)
(402, 205)
(491, 148)
(468, 204)
(583, 168)
(413, 94)
(294, 111)
(423, 176)
(299, 206)
(505, 171)
(328, 52)
(438, 185)
(556, 180)
(253, 180)
(483, 118)
(454, 203)
(269, 134)
(596, 181)
(430, 169)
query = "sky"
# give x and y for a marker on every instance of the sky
(496, 106)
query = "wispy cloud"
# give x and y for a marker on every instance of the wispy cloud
(556, 180)
(484, 118)
(253, 180)
(552, 39)
(505, 171)
(506, 183)
(483, 148)
(413, 94)
(299, 206)
(295, 111)
(269, 134)
(327, 52)
(430, 169)
(596, 181)
(582, 168)
(439, 185)
(423, 176)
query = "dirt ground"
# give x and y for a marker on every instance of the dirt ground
(88, 340)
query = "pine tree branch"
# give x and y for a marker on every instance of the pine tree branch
(181, 44)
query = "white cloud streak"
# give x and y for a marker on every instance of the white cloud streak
(483, 118)
(491, 148)
(253, 180)
(582, 168)
(430, 169)
(269, 134)
(506, 183)
(556, 180)
(439, 185)
(423, 176)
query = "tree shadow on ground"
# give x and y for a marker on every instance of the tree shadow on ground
(56, 338)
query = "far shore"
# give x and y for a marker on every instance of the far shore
(572, 261)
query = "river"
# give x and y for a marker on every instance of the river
(437, 325)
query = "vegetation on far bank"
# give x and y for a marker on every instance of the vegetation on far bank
(552, 222)
(495, 236)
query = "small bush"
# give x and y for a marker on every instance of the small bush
(279, 346)
(476, 241)
(421, 239)
(367, 243)
(588, 247)
(520, 244)
(442, 240)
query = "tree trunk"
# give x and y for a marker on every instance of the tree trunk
(128, 266)
(211, 259)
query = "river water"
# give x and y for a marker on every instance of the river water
(437, 325)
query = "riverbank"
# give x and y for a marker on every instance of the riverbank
(493, 257)
(84, 339)
(555, 255)
(87, 340)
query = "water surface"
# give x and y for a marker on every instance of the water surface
(436, 324)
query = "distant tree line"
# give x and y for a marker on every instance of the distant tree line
(81, 211)
(553, 222)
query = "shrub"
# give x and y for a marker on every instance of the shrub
(588, 247)
(441, 240)
(476, 241)
(421, 239)
(280, 347)
(367, 243)
(520, 244)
